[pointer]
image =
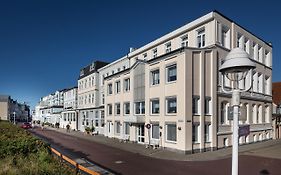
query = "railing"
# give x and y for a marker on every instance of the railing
(75, 164)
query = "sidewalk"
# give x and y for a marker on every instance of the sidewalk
(270, 148)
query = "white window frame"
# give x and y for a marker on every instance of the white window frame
(154, 52)
(166, 129)
(184, 40)
(117, 86)
(126, 84)
(109, 89)
(125, 111)
(168, 47)
(153, 76)
(168, 67)
(167, 105)
(142, 104)
(115, 108)
(201, 38)
(108, 111)
(151, 106)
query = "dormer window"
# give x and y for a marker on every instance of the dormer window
(168, 47)
(82, 72)
(92, 67)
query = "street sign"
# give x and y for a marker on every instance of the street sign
(242, 115)
(244, 130)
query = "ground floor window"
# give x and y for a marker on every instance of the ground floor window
(117, 126)
(155, 131)
(127, 129)
(171, 132)
(225, 142)
(195, 133)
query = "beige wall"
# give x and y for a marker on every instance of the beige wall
(4, 111)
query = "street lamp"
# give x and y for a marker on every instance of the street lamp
(235, 67)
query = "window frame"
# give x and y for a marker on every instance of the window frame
(153, 81)
(167, 105)
(168, 68)
(166, 131)
(151, 106)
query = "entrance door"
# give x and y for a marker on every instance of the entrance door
(140, 133)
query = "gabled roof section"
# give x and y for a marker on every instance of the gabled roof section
(91, 68)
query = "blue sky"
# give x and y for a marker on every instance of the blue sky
(44, 43)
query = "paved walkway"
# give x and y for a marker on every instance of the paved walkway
(269, 149)
(130, 158)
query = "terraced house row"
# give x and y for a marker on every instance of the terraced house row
(168, 92)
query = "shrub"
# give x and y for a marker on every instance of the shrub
(21, 153)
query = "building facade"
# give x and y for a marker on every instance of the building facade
(50, 107)
(168, 92)
(69, 114)
(11, 109)
(90, 111)
(276, 112)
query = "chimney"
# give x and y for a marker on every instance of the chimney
(132, 49)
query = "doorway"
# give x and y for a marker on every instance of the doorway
(140, 133)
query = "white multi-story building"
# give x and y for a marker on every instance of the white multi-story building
(50, 107)
(90, 111)
(69, 114)
(168, 92)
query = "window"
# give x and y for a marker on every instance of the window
(155, 131)
(109, 107)
(155, 77)
(127, 107)
(118, 86)
(90, 98)
(239, 44)
(171, 130)
(207, 132)
(184, 41)
(171, 105)
(201, 38)
(195, 137)
(102, 98)
(139, 108)
(195, 104)
(109, 88)
(127, 128)
(171, 73)
(144, 56)
(207, 105)
(117, 124)
(168, 47)
(117, 108)
(96, 123)
(155, 106)
(154, 53)
(93, 78)
(127, 84)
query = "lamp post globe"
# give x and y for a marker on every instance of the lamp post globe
(235, 67)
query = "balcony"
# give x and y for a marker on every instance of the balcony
(134, 119)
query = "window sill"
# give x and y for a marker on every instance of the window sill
(170, 141)
(157, 114)
(155, 85)
(171, 114)
(171, 82)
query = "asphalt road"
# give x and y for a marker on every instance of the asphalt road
(128, 163)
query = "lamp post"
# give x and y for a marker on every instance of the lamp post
(235, 67)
